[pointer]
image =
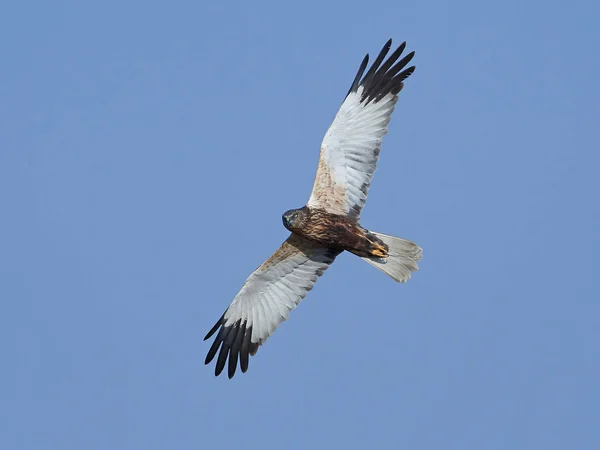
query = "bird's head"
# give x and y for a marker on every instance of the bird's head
(292, 219)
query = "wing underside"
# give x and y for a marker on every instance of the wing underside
(267, 297)
(351, 146)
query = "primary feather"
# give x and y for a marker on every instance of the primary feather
(348, 158)
(265, 301)
(351, 146)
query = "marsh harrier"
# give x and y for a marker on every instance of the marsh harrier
(329, 223)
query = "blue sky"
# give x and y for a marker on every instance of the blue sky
(146, 155)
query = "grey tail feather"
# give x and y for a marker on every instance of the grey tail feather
(402, 259)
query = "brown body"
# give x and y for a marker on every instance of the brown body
(330, 221)
(334, 231)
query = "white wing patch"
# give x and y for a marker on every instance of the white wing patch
(349, 154)
(351, 146)
(266, 299)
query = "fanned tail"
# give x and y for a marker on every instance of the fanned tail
(402, 257)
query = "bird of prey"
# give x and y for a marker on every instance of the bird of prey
(329, 223)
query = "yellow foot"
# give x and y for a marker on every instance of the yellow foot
(380, 252)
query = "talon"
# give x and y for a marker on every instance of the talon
(380, 252)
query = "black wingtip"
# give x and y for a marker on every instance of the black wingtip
(235, 349)
(361, 70)
(383, 77)
(226, 347)
(215, 327)
(233, 343)
(408, 72)
(245, 349)
(216, 344)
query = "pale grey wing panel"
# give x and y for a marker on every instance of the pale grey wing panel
(265, 301)
(351, 146)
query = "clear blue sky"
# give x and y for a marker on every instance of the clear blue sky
(147, 152)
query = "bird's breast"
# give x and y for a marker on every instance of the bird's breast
(333, 231)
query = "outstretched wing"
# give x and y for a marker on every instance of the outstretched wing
(266, 299)
(351, 146)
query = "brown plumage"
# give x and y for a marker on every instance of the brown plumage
(329, 223)
(334, 231)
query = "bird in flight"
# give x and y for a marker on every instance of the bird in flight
(329, 223)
